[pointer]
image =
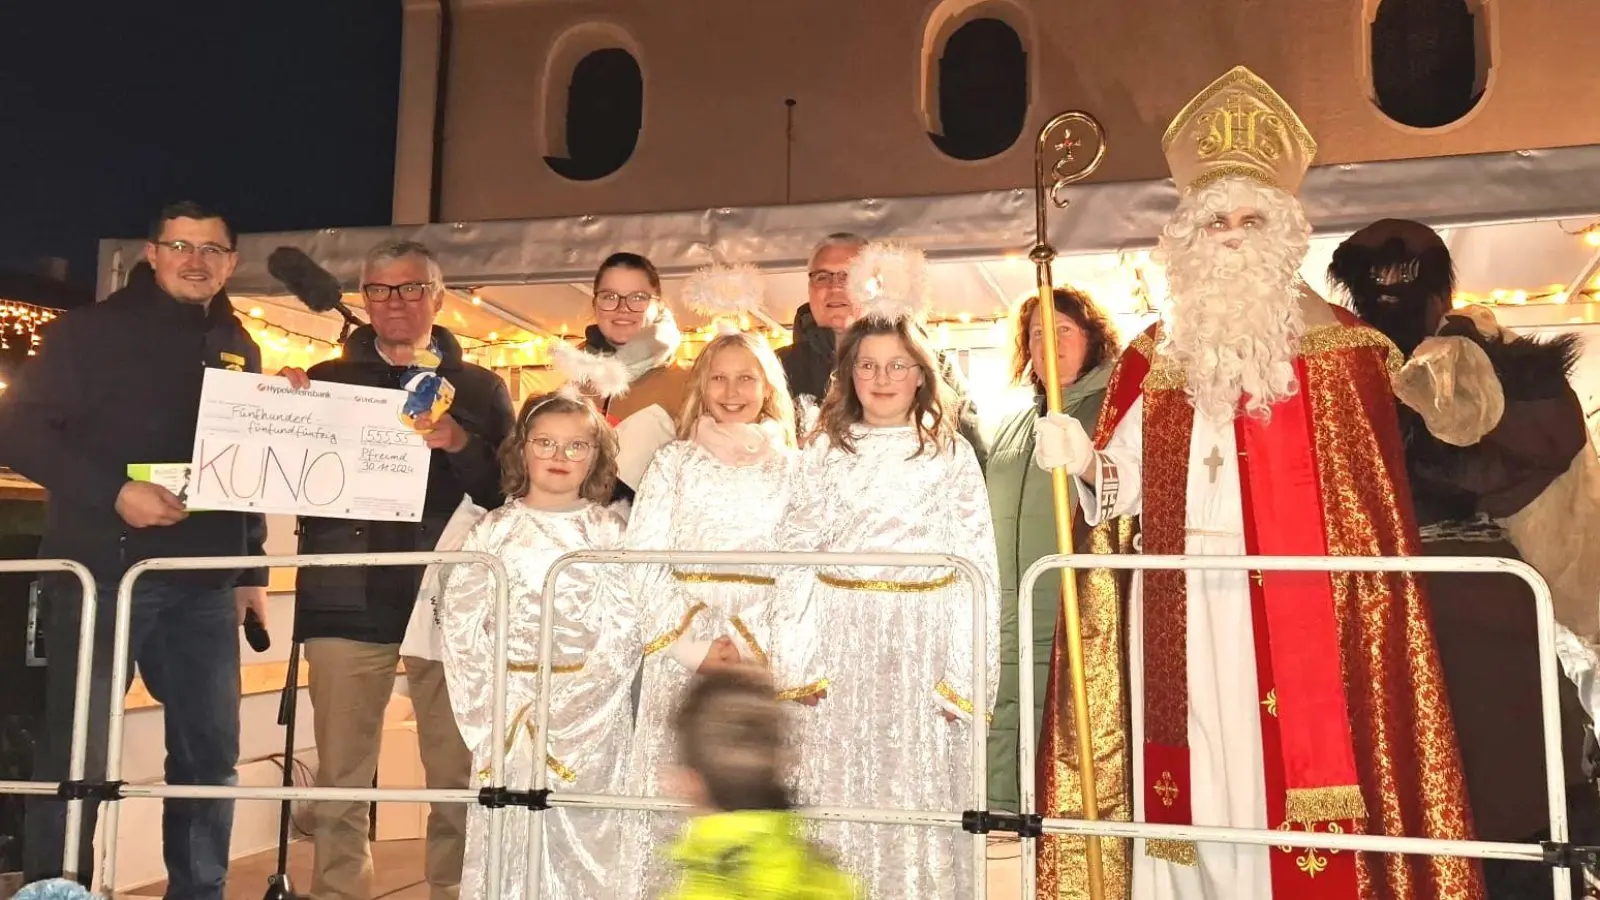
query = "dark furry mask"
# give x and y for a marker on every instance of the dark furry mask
(1390, 270)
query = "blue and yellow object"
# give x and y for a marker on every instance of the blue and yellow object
(427, 394)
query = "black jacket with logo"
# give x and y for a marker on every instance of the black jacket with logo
(118, 383)
(373, 605)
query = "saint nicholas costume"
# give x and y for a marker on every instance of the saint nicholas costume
(1298, 701)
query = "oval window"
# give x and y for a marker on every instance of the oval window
(1430, 61)
(604, 110)
(983, 90)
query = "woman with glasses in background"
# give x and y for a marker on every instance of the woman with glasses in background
(629, 367)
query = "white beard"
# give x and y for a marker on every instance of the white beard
(1234, 320)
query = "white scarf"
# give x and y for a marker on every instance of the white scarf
(738, 443)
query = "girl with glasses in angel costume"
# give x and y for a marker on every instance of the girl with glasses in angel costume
(559, 468)
(885, 471)
(722, 485)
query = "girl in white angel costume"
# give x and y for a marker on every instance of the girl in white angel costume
(559, 470)
(885, 471)
(722, 485)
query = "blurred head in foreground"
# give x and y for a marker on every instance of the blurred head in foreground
(745, 842)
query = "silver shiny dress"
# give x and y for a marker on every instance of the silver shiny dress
(691, 500)
(596, 651)
(894, 649)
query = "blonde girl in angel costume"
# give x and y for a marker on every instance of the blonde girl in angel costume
(885, 471)
(722, 485)
(559, 468)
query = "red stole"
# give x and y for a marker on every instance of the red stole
(1357, 736)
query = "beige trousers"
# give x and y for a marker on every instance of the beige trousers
(350, 685)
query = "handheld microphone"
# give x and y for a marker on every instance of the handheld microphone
(311, 284)
(255, 634)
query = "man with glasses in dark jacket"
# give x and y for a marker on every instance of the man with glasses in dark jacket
(118, 384)
(353, 620)
(829, 313)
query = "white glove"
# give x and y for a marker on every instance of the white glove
(1061, 443)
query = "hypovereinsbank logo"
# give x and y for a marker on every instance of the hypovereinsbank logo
(279, 389)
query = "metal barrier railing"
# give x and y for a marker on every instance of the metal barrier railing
(79, 754)
(980, 685)
(973, 821)
(497, 795)
(119, 669)
(1549, 673)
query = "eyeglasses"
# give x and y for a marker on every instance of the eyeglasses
(576, 451)
(410, 292)
(609, 301)
(897, 369)
(1064, 328)
(208, 252)
(820, 279)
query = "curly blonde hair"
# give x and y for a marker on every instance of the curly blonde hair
(598, 485)
(932, 408)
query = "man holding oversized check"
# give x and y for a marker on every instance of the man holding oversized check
(104, 419)
(375, 451)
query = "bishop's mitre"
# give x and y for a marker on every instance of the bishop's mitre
(1238, 126)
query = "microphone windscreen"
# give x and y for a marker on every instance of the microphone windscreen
(312, 284)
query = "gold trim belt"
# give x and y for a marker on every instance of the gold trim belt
(888, 587)
(532, 668)
(665, 640)
(722, 578)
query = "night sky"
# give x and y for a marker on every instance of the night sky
(281, 114)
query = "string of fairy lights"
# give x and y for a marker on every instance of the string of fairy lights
(282, 346)
(20, 324)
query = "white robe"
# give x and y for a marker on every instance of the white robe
(690, 500)
(895, 659)
(596, 650)
(1227, 780)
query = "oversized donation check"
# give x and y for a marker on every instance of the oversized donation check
(337, 451)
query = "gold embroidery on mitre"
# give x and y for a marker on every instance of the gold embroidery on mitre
(1238, 126)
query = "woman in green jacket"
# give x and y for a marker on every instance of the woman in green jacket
(1019, 498)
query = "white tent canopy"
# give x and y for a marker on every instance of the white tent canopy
(1508, 216)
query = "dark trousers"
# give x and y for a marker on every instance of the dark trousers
(185, 642)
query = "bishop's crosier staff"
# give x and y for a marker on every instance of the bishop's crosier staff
(1053, 171)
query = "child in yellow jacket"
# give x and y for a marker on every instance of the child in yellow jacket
(744, 842)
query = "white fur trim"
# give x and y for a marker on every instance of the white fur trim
(605, 375)
(890, 281)
(725, 290)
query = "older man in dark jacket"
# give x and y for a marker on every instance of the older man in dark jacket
(118, 384)
(352, 620)
(808, 361)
